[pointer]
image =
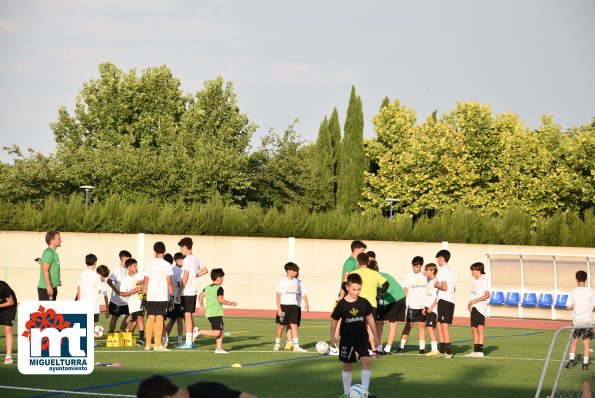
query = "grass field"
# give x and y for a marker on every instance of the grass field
(514, 361)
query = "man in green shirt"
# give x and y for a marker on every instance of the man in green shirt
(49, 273)
(351, 264)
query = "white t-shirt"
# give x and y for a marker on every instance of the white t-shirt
(447, 274)
(288, 288)
(431, 294)
(157, 271)
(116, 277)
(90, 288)
(583, 299)
(192, 265)
(478, 288)
(301, 292)
(416, 285)
(130, 283)
(176, 279)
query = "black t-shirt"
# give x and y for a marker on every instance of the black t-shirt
(208, 389)
(353, 319)
(5, 293)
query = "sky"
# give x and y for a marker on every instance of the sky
(290, 59)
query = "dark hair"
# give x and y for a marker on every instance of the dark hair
(168, 258)
(478, 267)
(354, 278)
(90, 259)
(178, 256)
(358, 244)
(444, 254)
(159, 247)
(156, 387)
(216, 273)
(291, 266)
(363, 258)
(417, 260)
(581, 276)
(187, 241)
(50, 235)
(373, 265)
(130, 262)
(371, 253)
(124, 253)
(103, 270)
(433, 267)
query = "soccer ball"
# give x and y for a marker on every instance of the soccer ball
(322, 347)
(357, 391)
(99, 331)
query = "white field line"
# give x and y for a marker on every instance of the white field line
(95, 394)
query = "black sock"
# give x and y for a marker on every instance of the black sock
(480, 348)
(475, 347)
(141, 334)
(441, 348)
(448, 348)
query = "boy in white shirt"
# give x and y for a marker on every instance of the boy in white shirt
(430, 271)
(415, 287)
(191, 269)
(89, 285)
(581, 301)
(131, 286)
(446, 284)
(287, 306)
(478, 306)
(118, 305)
(176, 316)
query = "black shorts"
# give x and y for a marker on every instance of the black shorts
(176, 312)
(347, 350)
(134, 316)
(392, 312)
(42, 294)
(415, 315)
(586, 333)
(8, 315)
(156, 308)
(299, 316)
(289, 315)
(477, 319)
(431, 319)
(118, 310)
(95, 317)
(446, 311)
(216, 322)
(188, 304)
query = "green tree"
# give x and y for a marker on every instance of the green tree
(324, 171)
(335, 130)
(352, 162)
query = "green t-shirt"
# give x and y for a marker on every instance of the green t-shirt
(394, 292)
(50, 257)
(349, 266)
(212, 306)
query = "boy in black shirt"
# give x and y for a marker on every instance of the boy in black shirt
(355, 313)
(8, 312)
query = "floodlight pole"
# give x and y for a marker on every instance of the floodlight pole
(391, 201)
(87, 188)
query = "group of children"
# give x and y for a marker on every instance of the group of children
(166, 289)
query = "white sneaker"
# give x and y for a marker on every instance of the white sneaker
(8, 361)
(221, 352)
(334, 351)
(276, 347)
(479, 355)
(195, 332)
(297, 348)
(160, 348)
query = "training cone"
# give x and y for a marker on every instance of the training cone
(586, 390)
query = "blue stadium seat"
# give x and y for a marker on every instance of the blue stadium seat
(497, 298)
(512, 298)
(529, 300)
(561, 300)
(545, 300)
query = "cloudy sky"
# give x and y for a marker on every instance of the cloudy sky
(299, 59)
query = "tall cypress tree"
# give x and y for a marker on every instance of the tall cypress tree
(325, 177)
(335, 130)
(352, 163)
(385, 102)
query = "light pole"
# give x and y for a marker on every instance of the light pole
(391, 201)
(87, 188)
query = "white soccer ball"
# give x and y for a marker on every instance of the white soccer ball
(357, 391)
(322, 347)
(99, 331)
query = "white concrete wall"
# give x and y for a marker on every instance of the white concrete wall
(253, 266)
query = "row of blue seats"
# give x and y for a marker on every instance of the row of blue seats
(529, 299)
